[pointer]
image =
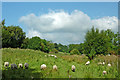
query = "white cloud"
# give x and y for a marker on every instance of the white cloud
(62, 27)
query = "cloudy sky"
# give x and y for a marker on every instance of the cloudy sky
(64, 23)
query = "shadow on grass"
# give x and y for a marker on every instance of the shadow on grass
(27, 74)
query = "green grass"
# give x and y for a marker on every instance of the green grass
(64, 62)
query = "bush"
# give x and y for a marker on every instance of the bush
(54, 51)
(74, 51)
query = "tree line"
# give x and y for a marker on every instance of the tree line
(96, 42)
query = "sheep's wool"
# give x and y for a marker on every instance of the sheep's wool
(87, 63)
(104, 72)
(109, 64)
(55, 67)
(6, 64)
(20, 65)
(43, 66)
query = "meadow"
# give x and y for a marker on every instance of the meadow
(64, 61)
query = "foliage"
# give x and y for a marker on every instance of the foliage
(54, 51)
(74, 51)
(97, 42)
(12, 36)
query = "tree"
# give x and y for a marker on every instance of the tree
(96, 42)
(74, 51)
(12, 36)
(24, 45)
(34, 43)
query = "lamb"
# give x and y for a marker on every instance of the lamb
(109, 64)
(54, 67)
(100, 63)
(73, 68)
(55, 57)
(20, 66)
(6, 64)
(13, 66)
(87, 63)
(43, 66)
(26, 65)
(103, 63)
(104, 72)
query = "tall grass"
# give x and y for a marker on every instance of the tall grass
(64, 62)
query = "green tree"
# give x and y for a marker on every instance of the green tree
(34, 43)
(12, 36)
(74, 51)
(25, 43)
(97, 42)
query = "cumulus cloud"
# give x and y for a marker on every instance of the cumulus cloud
(63, 27)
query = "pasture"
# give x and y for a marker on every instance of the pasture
(64, 61)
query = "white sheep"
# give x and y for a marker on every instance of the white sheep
(26, 65)
(87, 63)
(103, 63)
(20, 66)
(100, 63)
(109, 64)
(54, 67)
(6, 64)
(73, 68)
(13, 66)
(52, 55)
(104, 72)
(55, 57)
(43, 66)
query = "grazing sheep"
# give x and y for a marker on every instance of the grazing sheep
(6, 64)
(43, 66)
(13, 66)
(52, 55)
(26, 65)
(100, 63)
(20, 66)
(104, 72)
(54, 67)
(103, 63)
(109, 64)
(55, 57)
(73, 68)
(87, 63)
(108, 54)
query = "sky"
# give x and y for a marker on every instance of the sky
(61, 22)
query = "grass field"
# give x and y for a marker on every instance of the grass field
(63, 62)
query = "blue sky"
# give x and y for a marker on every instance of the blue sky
(13, 11)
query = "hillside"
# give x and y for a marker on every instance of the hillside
(64, 62)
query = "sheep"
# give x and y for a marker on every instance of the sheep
(52, 55)
(54, 67)
(108, 54)
(20, 66)
(6, 64)
(26, 65)
(87, 63)
(100, 63)
(109, 64)
(73, 68)
(43, 66)
(104, 72)
(103, 63)
(55, 57)
(13, 66)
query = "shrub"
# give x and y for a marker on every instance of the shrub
(54, 51)
(74, 51)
